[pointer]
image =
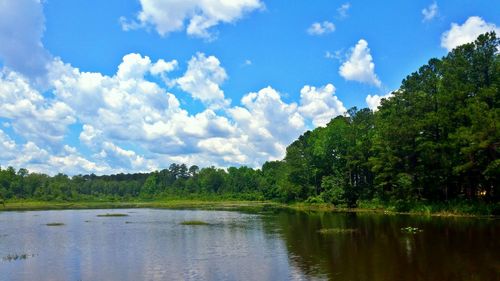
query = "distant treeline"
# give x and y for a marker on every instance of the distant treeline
(436, 139)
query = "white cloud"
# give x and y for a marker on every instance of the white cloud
(202, 80)
(430, 12)
(319, 28)
(128, 109)
(168, 16)
(337, 55)
(360, 67)
(343, 9)
(130, 123)
(36, 159)
(266, 124)
(227, 149)
(89, 135)
(7, 146)
(21, 30)
(320, 104)
(31, 115)
(466, 33)
(374, 101)
(125, 159)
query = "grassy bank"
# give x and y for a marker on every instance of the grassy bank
(441, 209)
(166, 204)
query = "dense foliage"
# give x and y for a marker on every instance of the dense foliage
(436, 139)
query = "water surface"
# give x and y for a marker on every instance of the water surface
(152, 244)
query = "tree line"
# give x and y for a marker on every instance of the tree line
(436, 139)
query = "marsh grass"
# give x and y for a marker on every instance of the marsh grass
(54, 224)
(113, 215)
(194, 222)
(328, 231)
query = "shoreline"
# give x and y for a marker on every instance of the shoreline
(217, 205)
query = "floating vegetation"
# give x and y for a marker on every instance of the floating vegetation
(194, 223)
(113, 215)
(326, 231)
(14, 257)
(411, 229)
(55, 224)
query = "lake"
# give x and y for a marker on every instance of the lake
(153, 244)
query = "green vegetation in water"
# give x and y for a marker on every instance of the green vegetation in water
(327, 231)
(113, 215)
(411, 230)
(55, 224)
(194, 222)
(14, 257)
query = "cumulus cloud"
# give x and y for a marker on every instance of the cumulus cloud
(21, 30)
(36, 159)
(200, 16)
(374, 101)
(466, 33)
(320, 104)
(360, 67)
(343, 9)
(32, 116)
(125, 159)
(7, 146)
(127, 108)
(131, 123)
(430, 12)
(267, 124)
(320, 28)
(202, 80)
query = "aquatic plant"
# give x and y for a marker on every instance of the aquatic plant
(326, 231)
(113, 215)
(54, 224)
(194, 222)
(410, 229)
(13, 257)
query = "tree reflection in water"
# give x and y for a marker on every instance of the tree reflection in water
(445, 249)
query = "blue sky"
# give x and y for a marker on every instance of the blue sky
(124, 86)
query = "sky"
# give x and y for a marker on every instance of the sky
(114, 86)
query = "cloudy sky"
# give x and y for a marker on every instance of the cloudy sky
(123, 86)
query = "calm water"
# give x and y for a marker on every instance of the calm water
(151, 244)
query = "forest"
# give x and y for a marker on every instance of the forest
(436, 140)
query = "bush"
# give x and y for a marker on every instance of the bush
(402, 206)
(314, 200)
